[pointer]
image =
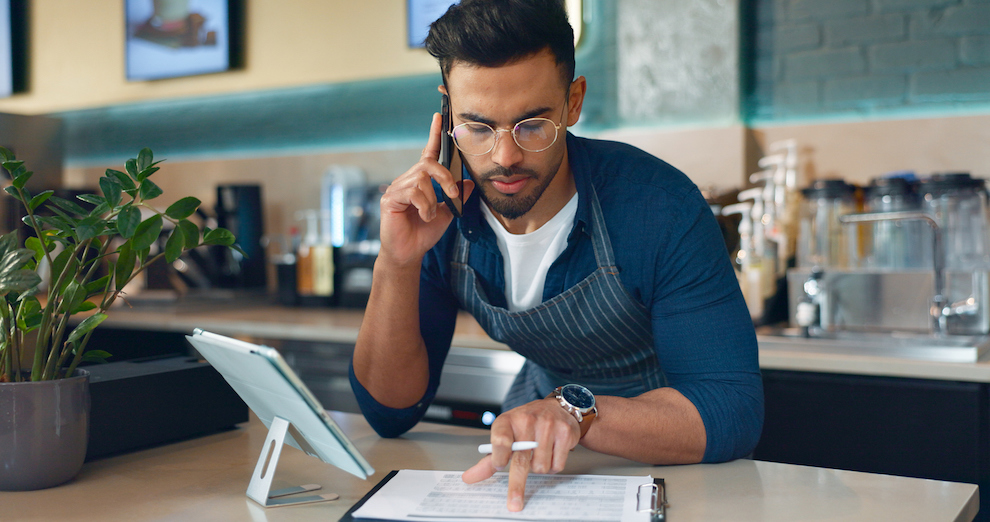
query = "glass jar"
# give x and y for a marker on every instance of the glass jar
(897, 244)
(959, 204)
(823, 241)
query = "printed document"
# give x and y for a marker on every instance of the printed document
(424, 496)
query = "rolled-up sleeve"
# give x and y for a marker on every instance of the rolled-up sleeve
(437, 320)
(704, 335)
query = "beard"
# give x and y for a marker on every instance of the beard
(514, 206)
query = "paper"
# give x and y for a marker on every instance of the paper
(424, 496)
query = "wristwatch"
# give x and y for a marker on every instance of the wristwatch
(579, 402)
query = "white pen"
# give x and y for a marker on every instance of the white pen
(522, 445)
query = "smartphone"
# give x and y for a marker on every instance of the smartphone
(446, 154)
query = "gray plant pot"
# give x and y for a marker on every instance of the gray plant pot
(44, 429)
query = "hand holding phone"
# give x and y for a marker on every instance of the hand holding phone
(446, 154)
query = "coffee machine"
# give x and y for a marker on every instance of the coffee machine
(239, 209)
(900, 256)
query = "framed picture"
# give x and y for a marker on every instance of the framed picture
(173, 38)
(420, 14)
(6, 55)
(13, 75)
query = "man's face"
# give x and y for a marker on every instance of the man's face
(512, 180)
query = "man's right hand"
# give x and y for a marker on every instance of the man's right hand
(412, 219)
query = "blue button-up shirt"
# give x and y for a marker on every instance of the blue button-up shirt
(671, 257)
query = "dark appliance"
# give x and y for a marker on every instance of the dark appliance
(239, 209)
(147, 402)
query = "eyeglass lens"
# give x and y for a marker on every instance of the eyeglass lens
(533, 135)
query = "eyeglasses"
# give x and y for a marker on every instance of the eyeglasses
(532, 135)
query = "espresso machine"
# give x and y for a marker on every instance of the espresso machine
(902, 261)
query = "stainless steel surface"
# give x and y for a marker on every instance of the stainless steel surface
(937, 313)
(870, 300)
(912, 346)
(473, 380)
(477, 375)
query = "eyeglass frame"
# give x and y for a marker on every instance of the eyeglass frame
(512, 131)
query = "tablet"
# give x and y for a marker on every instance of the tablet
(271, 389)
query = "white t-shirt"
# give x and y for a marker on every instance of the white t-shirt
(527, 257)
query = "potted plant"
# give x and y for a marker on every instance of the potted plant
(78, 260)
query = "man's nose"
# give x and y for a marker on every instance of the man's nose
(506, 151)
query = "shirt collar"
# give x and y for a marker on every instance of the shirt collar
(473, 226)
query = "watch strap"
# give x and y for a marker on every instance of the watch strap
(584, 419)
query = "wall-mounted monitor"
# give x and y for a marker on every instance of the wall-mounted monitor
(6, 51)
(173, 38)
(421, 13)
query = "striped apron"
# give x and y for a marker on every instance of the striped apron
(594, 333)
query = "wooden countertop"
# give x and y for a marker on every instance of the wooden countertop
(260, 320)
(206, 478)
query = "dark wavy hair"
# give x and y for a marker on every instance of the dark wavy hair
(493, 33)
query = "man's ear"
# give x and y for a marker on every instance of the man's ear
(442, 88)
(575, 99)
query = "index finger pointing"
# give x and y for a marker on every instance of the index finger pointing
(518, 472)
(432, 150)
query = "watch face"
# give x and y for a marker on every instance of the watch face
(578, 396)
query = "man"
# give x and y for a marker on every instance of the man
(598, 262)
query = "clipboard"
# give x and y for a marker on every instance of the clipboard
(347, 516)
(650, 497)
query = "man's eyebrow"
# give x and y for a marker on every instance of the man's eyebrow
(473, 117)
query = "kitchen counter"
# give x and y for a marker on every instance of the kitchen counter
(258, 320)
(206, 478)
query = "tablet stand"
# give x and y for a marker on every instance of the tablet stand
(259, 489)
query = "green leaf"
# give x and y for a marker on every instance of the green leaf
(71, 221)
(183, 208)
(190, 232)
(111, 190)
(89, 227)
(18, 281)
(58, 264)
(149, 190)
(127, 221)
(85, 327)
(144, 159)
(21, 179)
(8, 242)
(147, 232)
(12, 165)
(34, 244)
(131, 166)
(73, 296)
(125, 265)
(39, 199)
(92, 199)
(15, 260)
(146, 173)
(220, 236)
(125, 181)
(69, 206)
(10, 189)
(97, 356)
(6, 154)
(101, 208)
(173, 247)
(97, 287)
(84, 306)
(56, 222)
(29, 314)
